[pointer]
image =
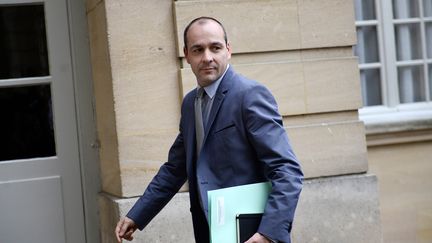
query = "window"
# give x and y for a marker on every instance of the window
(368, 52)
(26, 124)
(23, 44)
(394, 47)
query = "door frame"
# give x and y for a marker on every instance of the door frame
(86, 125)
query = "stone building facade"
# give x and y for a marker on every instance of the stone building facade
(108, 77)
(301, 50)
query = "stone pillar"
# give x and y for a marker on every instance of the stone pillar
(301, 50)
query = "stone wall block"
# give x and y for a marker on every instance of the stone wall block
(104, 103)
(332, 85)
(272, 24)
(142, 155)
(330, 149)
(144, 65)
(404, 171)
(284, 80)
(338, 209)
(144, 85)
(326, 23)
(275, 25)
(109, 216)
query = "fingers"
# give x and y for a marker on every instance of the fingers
(128, 235)
(118, 230)
(124, 229)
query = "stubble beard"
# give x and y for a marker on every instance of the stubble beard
(206, 79)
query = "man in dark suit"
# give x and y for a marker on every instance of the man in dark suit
(231, 134)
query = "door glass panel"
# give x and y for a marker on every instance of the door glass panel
(408, 42)
(404, 9)
(367, 46)
(428, 31)
(23, 45)
(371, 87)
(26, 124)
(411, 84)
(430, 81)
(427, 8)
(364, 9)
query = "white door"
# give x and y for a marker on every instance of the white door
(40, 180)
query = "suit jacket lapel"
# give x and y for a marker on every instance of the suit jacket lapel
(218, 100)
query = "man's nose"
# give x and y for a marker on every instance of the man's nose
(207, 56)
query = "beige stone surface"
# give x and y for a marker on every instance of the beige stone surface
(151, 146)
(332, 85)
(285, 81)
(326, 23)
(337, 209)
(104, 101)
(404, 174)
(276, 25)
(144, 85)
(142, 155)
(144, 66)
(328, 149)
(312, 86)
(109, 214)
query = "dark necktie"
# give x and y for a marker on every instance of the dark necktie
(201, 116)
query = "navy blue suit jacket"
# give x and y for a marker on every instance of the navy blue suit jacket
(245, 143)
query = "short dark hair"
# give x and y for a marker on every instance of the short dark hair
(205, 18)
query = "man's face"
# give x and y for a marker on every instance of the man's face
(206, 51)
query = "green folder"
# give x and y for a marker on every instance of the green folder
(225, 204)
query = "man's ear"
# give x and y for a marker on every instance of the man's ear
(228, 46)
(185, 51)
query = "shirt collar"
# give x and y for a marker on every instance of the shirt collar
(212, 88)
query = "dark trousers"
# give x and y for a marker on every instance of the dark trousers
(200, 224)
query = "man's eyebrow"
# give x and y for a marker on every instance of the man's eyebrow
(215, 43)
(218, 43)
(196, 46)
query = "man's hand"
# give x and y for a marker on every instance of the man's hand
(125, 228)
(258, 238)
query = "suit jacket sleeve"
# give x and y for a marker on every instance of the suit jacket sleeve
(268, 137)
(166, 183)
